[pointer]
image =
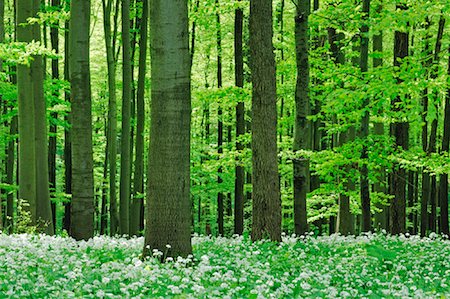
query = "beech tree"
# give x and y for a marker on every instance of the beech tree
(302, 132)
(168, 219)
(33, 167)
(82, 208)
(266, 185)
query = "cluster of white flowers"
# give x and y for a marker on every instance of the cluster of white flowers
(371, 265)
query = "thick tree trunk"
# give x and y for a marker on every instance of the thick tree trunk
(302, 132)
(240, 122)
(26, 114)
(400, 133)
(33, 188)
(168, 196)
(82, 210)
(266, 185)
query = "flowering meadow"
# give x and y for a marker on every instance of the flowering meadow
(369, 266)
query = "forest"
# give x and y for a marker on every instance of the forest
(224, 148)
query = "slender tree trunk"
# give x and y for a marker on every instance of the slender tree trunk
(302, 133)
(220, 195)
(82, 210)
(281, 34)
(112, 112)
(193, 33)
(2, 40)
(400, 132)
(364, 184)
(425, 175)
(137, 204)
(266, 186)
(381, 218)
(67, 134)
(434, 124)
(43, 209)
(443, 180)
(345, 219)
(103, 219)
(168, 196)
(125, 162)
(54, 38)
(240, 122)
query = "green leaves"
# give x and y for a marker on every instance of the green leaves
(22, 53)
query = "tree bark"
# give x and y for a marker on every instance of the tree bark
(82, 210)
(54, 39)
(67, 132)
(112, 112)
(443, 181)
(364, 183)
(240, 122)
(266, 187)
(220, 195)
(136, 207)
(125, 142)
(381, 218)
(302, 132)
(168, 196)
(400, 132)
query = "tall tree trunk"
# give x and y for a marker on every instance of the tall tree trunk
(43, 209)
(302, 133)
(27, 159)
(112, 111)
(67, 132)
(280, 20)
(240, 122)
(443, 180)
(138, 190)
(168, 196)
(400, 132)
(364, 184)
(266, 186)
(125, 142)
(434, 124)
(2, 40)
(220, 195)
(32, 126)
(425, 198)
(344, 221)
(381, 218)
(82, 210)
(54, 38)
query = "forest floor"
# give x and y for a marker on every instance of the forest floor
(370, 266)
